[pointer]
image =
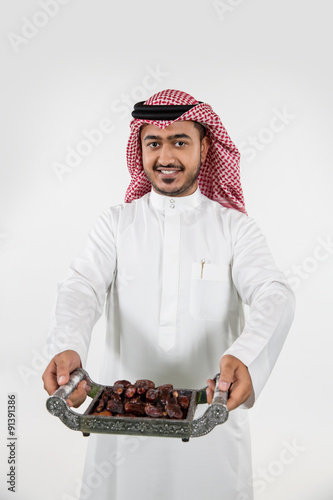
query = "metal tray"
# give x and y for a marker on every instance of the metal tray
(216, 414)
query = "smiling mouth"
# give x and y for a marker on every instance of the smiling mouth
(168, 175)
(168, 172)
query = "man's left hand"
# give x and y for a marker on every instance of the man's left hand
(235, 374)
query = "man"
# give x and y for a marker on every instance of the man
(175, 262)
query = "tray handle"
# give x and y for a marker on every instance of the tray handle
(220, 397)
(217, 413)
(57, 404)
(64, 391)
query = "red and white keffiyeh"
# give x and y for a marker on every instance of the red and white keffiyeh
(219, 177)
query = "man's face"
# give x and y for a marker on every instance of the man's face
(172, 157)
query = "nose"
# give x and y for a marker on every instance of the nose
(166, 156)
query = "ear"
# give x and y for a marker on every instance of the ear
(204, 147)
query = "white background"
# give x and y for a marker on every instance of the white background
(250, 60)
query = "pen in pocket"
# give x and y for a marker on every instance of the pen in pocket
(202, 267)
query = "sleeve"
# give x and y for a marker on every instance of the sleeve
(81, 297)
(264, 288)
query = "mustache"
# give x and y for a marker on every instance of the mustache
(158, 166)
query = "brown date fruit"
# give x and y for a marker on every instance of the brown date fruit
(142, 386)
(100, 405)
(145, 381)
(135, 399)
(183, 402)
(154, 411)
(143, 399)
(164, 396)
(104, 399)
(130, 391)
(107, 392)
(174, 411)
(115, 404)
(124, 383)
(172, 400)
(152, 395)
(103, 414)
(168, 387)
(118, 389)
(136, 407)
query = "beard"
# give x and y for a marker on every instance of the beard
(188, 183)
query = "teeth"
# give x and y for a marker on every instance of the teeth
(168, 171)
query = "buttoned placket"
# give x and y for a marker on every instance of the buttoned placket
(170, 278)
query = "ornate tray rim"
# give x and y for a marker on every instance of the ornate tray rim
(216, 414)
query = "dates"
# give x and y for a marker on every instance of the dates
(136, 407)
(152, 395)
(174, 410)
(143, 400)
(183, 401)
(154, 411)
(103, 414)
(124, 383)
(130, 391)
(115, 404)
(118, 389)
(142, 386)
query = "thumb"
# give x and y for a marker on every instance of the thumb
(63, 371)
(226, 376)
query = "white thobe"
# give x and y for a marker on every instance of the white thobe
(175, 273)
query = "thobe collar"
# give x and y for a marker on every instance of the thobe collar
(175, 204)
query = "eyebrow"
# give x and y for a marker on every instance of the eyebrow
(169, 138)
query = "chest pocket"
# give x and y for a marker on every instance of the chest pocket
(210, 291)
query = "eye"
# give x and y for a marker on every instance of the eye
(153, 145)
(180, 143)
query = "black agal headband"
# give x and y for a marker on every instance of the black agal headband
(160, 112)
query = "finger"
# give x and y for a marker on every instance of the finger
(235, 397)
(211, 384)
(50, 378)
(210, 390)
(63, 371)
(57, 371)
(210, 395)
(227, 375)
(79, 395)
(239, 393)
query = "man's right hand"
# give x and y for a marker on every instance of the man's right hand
(57, 374)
